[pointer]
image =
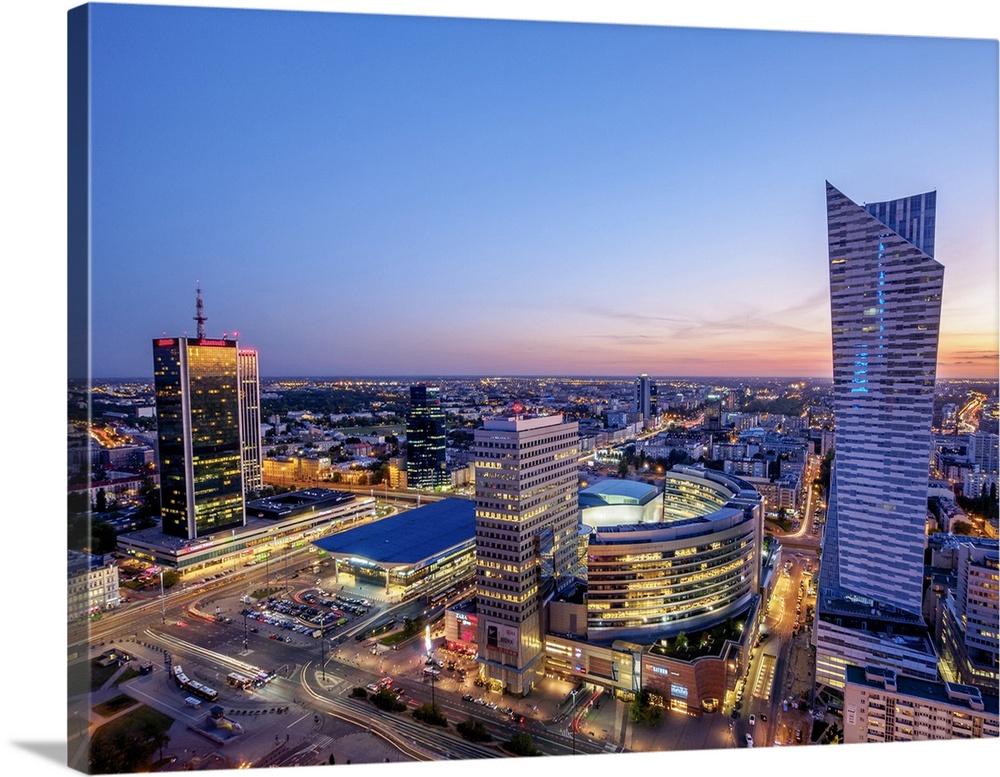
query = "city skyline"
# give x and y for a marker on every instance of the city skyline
(535, 198)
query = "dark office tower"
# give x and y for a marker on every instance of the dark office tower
(253, 446)
(885, 290)
(198, 419)
(425, 440)
(643, 397)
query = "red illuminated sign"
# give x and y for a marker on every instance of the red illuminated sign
(214, 342)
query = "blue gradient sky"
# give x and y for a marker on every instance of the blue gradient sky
(389, 195)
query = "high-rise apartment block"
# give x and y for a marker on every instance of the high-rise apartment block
(527, 521)
(253, 444)
(197, 384)
(882, 706)
(885, 289)
(426, 465)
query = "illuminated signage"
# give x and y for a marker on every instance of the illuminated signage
(678, 691)
(660, 670)
(203, 341)
(167, 341)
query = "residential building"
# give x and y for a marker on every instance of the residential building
(885, 289)
(881, 705)
(92, 585)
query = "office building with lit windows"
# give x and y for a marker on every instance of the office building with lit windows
(696, 566)
(197, 385)
(253, 444)
(968, 617)
(426, 466)
(526, 538)
(885, 290)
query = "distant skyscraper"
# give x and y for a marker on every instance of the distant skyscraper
(198, 419)
(426, 466)
(253, 446)
(645, 392)
(885, 290)
(527, 520)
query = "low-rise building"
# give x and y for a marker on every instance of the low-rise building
(92, 585)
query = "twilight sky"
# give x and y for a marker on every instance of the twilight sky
(378, 195)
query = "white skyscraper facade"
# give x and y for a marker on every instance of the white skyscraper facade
(253, 444)
(885, 289)
(527, 518)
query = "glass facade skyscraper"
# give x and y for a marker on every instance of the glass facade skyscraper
(426, 466)
(197, 389)
(885, 290)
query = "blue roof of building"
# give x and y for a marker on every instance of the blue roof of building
(409, 537)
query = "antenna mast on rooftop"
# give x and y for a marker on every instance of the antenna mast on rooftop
(200, 317)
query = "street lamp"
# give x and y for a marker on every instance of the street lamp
(246, 643)
(322, 649)
(163, 601)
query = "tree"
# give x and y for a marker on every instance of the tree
(642, 710)
(388, 701)
(428, 713)
(473, 730)
(170, 578)
(522, 744)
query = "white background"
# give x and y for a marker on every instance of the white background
(34, 384)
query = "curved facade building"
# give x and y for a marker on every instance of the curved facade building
(695, 567)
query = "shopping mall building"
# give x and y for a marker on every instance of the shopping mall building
(671, 598)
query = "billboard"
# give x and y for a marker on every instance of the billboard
(500, 636)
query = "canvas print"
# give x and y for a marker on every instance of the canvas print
(450, 389)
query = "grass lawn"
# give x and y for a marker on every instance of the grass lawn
(112, 706)
(130, 743)
(90, 677)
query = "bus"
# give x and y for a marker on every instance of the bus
(237, 680)
(193, 686)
